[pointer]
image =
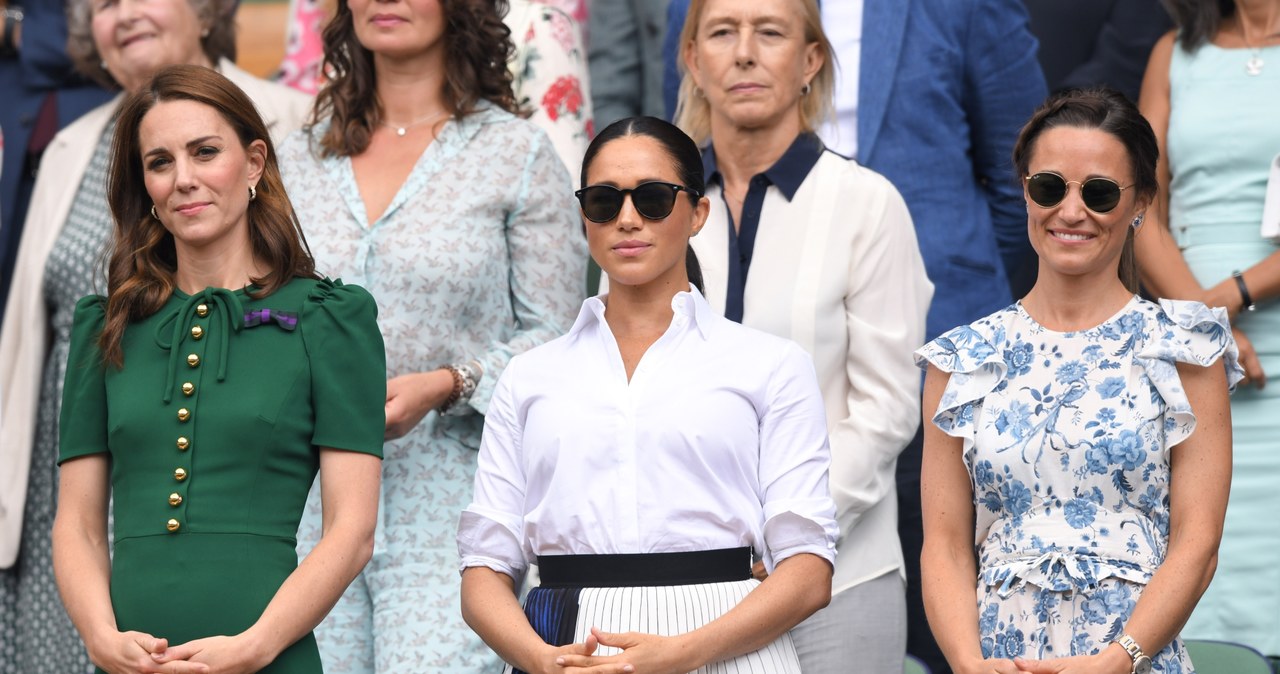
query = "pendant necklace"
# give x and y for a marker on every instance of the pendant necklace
(1254, 65)
(401, 129)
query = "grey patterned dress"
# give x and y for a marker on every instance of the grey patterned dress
(36, 637)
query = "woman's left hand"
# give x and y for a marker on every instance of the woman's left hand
(223, 655)
(411, 396)
(1111, 660)
(645, 653)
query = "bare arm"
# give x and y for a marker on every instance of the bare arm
(349, 494)
(1200, 480)
(82, 568)
(948, 566)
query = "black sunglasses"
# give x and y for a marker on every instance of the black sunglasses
(653, 200)
(1100, 195)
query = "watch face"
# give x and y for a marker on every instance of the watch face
(1142, 665)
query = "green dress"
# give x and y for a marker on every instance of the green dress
(214, 426)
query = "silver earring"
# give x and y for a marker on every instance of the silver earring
(204, 33)
(253, 193)
(153, 212)
(804, 91)
(1137, 222)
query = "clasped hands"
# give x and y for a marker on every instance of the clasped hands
(1110, 660)
(641, 654)
(141, 653)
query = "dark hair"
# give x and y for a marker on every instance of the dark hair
(216, 16)
(1198, 20)
(685, 157)
(477, 46)
(1108, 110)
(143, 259)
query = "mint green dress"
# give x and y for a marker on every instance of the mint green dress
(213, 427)
(1223, 135)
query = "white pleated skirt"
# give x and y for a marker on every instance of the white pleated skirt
(666, 610)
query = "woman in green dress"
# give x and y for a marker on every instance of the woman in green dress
(203, 393)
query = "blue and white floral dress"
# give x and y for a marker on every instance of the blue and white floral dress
(1066, 439)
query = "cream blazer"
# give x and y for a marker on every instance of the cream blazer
(24, 338)
(837, 269)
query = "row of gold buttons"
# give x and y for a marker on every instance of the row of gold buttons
(184, 415)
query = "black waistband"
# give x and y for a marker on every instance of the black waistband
(645, 570)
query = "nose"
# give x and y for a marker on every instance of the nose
(1072, 208)
(628, 216)
(127, 11)
(744, 50)
(184, 176)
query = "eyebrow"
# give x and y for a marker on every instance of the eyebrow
(198, 141)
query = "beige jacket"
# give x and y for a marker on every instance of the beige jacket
(24, 338)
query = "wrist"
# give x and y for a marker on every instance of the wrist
(10, 31)
(1246, 299)
(257, 648)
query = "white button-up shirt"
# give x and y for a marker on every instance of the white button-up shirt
(718, 441)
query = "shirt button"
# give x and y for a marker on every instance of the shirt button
(184, 414)
(202, 310)
(175, 499)
(197, 332)
(172, 525)
(193, 360)
(183, 443)
(180, 474)
(188, 388)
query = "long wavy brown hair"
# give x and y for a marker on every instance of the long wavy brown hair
(477, 48)
(143, 260)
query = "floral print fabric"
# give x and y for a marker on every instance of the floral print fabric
(1067, 439)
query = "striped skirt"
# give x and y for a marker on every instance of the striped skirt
(564, 614)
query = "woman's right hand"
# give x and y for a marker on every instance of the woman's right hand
(989, 666)
(131, 653)
(1253, 373)
(554, 662)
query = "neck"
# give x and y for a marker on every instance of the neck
(639, 311)
(742, 153)
(410, 90)
(1258, 19)
(232, 266)
(1067, 303)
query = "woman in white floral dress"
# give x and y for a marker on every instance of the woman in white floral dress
(1076, 472)
(417, 179)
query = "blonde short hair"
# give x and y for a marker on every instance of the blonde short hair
(693, 112)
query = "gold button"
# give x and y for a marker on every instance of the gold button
(175, 499)
(188, 388)
(183, 443)
(202, 310)
(180, 474)
(197, 332)
(184, 414)
(172, 525)
(193, 360)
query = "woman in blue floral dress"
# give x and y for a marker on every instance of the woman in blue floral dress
(1082, 434)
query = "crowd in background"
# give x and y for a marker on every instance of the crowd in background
(864, 215)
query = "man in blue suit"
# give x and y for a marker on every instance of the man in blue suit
(943, 88)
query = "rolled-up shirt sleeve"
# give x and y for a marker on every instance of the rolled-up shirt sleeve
(490, 530)
(795, 458)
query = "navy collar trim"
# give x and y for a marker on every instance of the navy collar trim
(787, 173)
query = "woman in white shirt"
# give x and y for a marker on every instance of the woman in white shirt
(808, 245)
(644, 458)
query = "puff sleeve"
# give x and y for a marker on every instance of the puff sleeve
(1189, 332)
(348, 367)
(83, 421)
(976, 369)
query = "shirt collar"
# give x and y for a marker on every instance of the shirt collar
(690, 305)
(787, 173)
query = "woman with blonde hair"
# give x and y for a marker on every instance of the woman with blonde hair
(806, 244)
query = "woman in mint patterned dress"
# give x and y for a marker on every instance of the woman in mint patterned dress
(1062, 423)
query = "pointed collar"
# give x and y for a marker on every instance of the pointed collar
(787, 173)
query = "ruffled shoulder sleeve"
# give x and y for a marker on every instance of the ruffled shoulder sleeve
(339, 325)
(1186, 332)
(83, 422)
(976, 366)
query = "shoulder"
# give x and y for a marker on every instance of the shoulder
(969, 347)
(283, 108)
(88, 126)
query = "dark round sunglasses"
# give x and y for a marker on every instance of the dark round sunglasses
(1100, 195)
(653, 200)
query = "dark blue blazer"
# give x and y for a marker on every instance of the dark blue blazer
(944, 86)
